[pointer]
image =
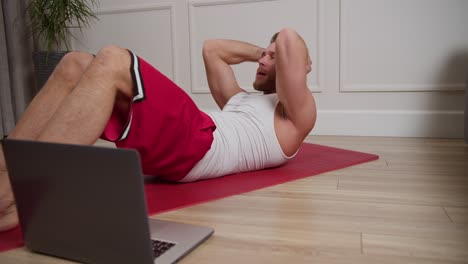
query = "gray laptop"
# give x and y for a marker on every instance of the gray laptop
(87, 204)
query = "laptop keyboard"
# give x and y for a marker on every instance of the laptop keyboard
(159, 247)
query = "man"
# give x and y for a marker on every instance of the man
(89, 97)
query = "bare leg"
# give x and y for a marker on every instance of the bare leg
(83, 115)
(71, 108)
(62, 81)
(66, 75)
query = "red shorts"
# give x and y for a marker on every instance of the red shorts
(164, 125)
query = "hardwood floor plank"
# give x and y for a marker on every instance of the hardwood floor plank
(225, 255)
(338, 208)
(453, 249)
(309, 222)
(410, 206)
(405, 187)
(458, 215)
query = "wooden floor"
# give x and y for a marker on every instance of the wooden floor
(410, 206)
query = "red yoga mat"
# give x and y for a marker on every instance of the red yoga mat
(312, 159)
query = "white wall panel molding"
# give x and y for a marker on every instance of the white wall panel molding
(197, 88)
(401, 46)
(128, 26)
(150, 7)
(198, 3)
(402, 87)
(398, 123)
(134, 8)
(404, 63)
(195, 51)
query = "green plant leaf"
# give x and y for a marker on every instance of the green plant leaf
(52, 20)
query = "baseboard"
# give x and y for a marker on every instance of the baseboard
(436, 124)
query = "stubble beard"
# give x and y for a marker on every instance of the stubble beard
(267, 86)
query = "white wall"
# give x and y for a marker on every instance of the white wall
(381, 67)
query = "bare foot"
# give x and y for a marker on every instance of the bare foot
(8, 213)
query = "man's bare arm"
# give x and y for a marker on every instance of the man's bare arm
(292, 66)
(218, 55)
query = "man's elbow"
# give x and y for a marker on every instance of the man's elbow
(209, 46)
(286, 35)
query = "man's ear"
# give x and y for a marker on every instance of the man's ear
(309, 66)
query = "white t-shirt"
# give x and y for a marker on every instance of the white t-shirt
(244, 139)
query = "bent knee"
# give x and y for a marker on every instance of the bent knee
(77, 59)
(111, 55)
(72, 66)
(115, 61)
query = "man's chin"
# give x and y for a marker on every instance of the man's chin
(258, 86)
(263, 88)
